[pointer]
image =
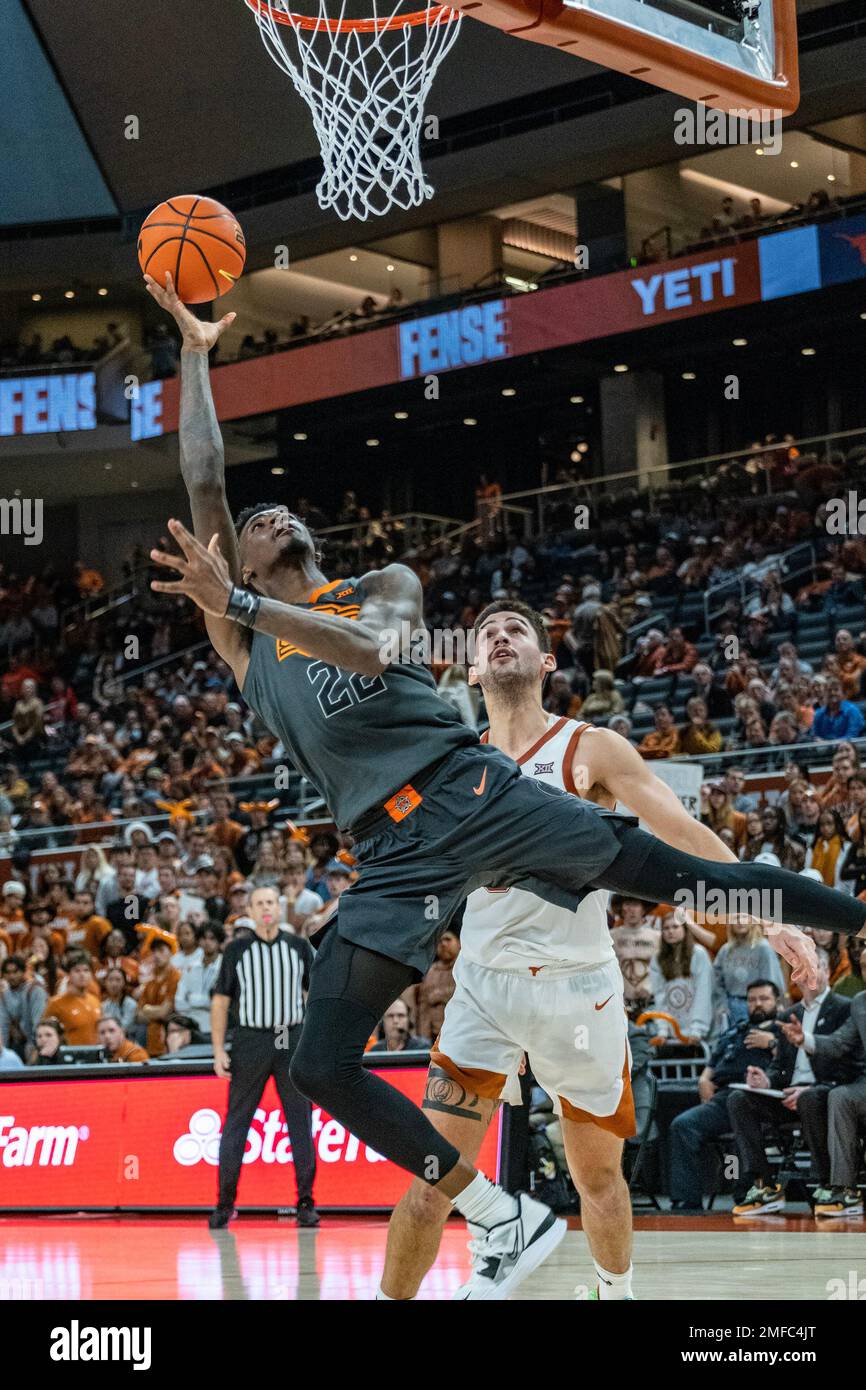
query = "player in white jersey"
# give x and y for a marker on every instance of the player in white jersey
(537, 979)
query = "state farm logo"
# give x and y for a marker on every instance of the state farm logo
(268, 1141)
(46, 1146)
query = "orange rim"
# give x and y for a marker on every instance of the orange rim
(438, 14)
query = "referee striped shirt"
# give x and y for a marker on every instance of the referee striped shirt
(266, 979)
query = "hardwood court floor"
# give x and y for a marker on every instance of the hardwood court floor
(106, 1257)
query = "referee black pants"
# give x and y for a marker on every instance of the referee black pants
(255, 1057)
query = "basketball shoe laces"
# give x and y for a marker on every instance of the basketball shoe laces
(485, 1257)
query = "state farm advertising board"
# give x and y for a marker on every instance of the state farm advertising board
(133, 1142)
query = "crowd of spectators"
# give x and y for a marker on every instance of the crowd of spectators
(34, 352)
(138, 765)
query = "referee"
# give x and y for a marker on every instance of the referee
(266, 976)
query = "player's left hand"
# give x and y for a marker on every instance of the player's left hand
(205, 576)
(797, 949)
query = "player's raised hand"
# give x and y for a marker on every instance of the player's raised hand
(204, 574)
(197, 336)
(797, 949)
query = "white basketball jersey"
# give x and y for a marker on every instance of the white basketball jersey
(513, 929)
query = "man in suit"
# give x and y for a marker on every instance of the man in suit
(807, 1082)
(733, 1056)
(846, 1109)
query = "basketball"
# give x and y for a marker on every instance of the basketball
(198, 241)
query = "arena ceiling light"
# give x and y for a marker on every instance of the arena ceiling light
(372, 443)
(831, 178)
(389, 267)
(808, 352)
(508, 391)
(278, 472)
(68, 294)
(353, 257)
(299, 435)
(689, 376)
(102, 292)
(620, 367)
(36, 298)
(739, 342)
(470, 421)
(576, 400)
(401, 415)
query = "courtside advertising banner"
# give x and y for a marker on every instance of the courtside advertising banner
(153, 1142)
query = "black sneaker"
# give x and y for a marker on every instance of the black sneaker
(306, 1214)
(220, 1218)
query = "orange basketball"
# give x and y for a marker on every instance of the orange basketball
(198, 241)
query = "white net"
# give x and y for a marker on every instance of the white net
(366, 87)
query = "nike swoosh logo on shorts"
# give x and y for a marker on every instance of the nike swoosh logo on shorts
(601, 1006)
(479, 790)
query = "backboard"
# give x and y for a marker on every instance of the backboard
(730, 54)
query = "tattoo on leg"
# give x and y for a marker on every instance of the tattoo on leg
(445, 1094)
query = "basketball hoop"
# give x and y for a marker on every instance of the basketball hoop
(366, 82)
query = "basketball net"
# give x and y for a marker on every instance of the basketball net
(365, 82)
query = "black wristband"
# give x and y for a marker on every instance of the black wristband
(243, 606)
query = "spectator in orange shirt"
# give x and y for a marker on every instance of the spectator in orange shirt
(156, 1000)
(86, 929)
(118, 1047)
(88, 580)
(113, 953)
(12, 918)
(560, 698)
(78, 1009)
(664, 741)
(676, 656)
(718, 813)
(223, 830)
(847, 664)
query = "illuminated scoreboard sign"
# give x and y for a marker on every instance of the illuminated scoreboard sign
(460, 338)
(48, 404)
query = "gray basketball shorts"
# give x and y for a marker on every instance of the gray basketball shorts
(473, 821)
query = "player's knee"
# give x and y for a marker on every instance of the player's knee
(312, 1072)
(599, 1180)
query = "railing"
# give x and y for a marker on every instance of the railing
(779, 753)
(106, 600)
(412, 528)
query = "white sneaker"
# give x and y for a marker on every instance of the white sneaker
(503, 1255)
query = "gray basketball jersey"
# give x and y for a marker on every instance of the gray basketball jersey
(358, 738)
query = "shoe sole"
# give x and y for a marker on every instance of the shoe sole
(846, 1211)
(766, 1210)
(534, 1255)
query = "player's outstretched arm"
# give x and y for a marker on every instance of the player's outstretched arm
(202, 456)
(391, 596)
(608, 758)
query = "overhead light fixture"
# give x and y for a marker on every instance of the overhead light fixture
(831, 178)
(133, 483)
(401, 415)
(576, 400)
(517, 284)
(583, 447)
(278, 472)
(108, 467)
(620, 367)
(469, 421)
(808, 352)
(574, 456)
(689, 376)
(36, 298)
(508, 391)
(739, 342)
(759, 150)
(794, 164)
(102, 292)
(863, 316)
(353, 257)
(69, 294)
(390, 267)
(371, 443)
(300, 435)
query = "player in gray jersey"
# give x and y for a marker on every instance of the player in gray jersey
(435, 814)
